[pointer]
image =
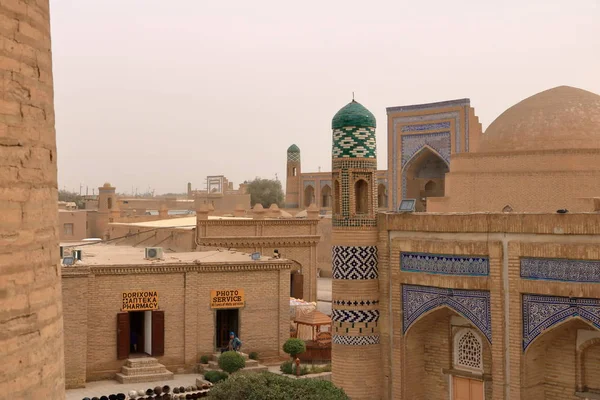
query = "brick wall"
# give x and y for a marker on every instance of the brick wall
(31, 346)
(94, 300)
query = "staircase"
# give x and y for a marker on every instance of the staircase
(144, 369)
(213, 365)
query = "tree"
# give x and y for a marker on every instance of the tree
(294, 346)
(266, 385)
(64, 195)
(265, 192)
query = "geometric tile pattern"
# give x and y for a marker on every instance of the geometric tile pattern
(355, 328)
(293, 157)
(471, 304)
(542, 312)
(426, 127)
(309, 183)
(355, 340)
(326, 183)
(412, 144)
(355, 303)
(352, 142)
(354, 262)
(561, 269)
(444, 264)
(355, 315)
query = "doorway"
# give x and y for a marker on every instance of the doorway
(296, 285)
(227, 321)
(137, 332)
(140, 333)
(466, 389)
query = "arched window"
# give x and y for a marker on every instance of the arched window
(337, 196)
(294, 171)
(382, 198)
(309, 195)
(430, 186)
(468, 352)
(361, 196)
(326, 196)
(507, 209)
(109, 203)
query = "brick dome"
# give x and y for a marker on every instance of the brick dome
(557, 119)
(353, 114)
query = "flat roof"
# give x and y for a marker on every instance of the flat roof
(179, 223)
(111, 255)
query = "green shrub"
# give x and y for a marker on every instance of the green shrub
(204, 359)
(253, 356)
(319, 369)
(266, 385)
(287, 367)
(294, 346)
(215, 376)
(231, 361)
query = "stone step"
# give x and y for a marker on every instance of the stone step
(149, 370)
(164, 376)
(141, 362)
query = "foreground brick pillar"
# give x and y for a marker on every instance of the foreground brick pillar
(31, 340)
(356, 348)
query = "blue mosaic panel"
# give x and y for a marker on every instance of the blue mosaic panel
(561, 269)
(444, 264)
(412, 144)
(355, 340)
(472, 304)
(309, 183)
(354, 142)
(426, 127)
(542, 312)
(355, 315)
(354, 262)
(326, 183)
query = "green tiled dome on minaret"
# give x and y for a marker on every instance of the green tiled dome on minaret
(353, 114)
(293, 149)
(354, 132)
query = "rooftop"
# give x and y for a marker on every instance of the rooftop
(110, 255)
(179, 223)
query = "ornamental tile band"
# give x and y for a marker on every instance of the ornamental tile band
(472, 304)
(354, 142)
(585, 271)
(293, 157)
(444, 264)
(355, 315)
(354, 262)
(543, 312)
(355, 340)
(412, 144)
(426, 127)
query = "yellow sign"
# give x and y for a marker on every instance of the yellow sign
(140, 300)
(233, 298)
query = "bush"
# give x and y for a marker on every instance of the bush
(215, 376)
(319, 369)
(231, 361)
(204, 359)
(253, 356)
(294, 346)
(266, 385)
(288, 367)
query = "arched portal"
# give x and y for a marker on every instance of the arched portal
(428, 351)
(382, 196)
(425, 177)
(309, 195)
(361, 196)
(326, 196)
(551, 363)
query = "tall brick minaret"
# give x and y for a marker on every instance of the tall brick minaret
(292, 186)
(356, 353)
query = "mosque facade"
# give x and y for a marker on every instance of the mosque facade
(491, 288)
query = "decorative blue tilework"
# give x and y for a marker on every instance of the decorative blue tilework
(472, 304)
(542, 312)
(355, 340)
(355, 315)
(354, 262)
(561, 269)
(326, 183)
(309, 183)
(426, 127)
(412, 144)
(444, 264)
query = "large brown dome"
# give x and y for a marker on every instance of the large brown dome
(556, 119)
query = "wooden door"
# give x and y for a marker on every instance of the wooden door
(297, 286)
(466, 389)
(122, 335)
(158, 333)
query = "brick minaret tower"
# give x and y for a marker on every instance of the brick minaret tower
(31, 343)
(356, 353)
(292, 180)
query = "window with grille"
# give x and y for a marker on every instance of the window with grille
(468, 350)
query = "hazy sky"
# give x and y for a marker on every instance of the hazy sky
(155, 93)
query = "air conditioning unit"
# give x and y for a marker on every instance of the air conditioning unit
(153, 253)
